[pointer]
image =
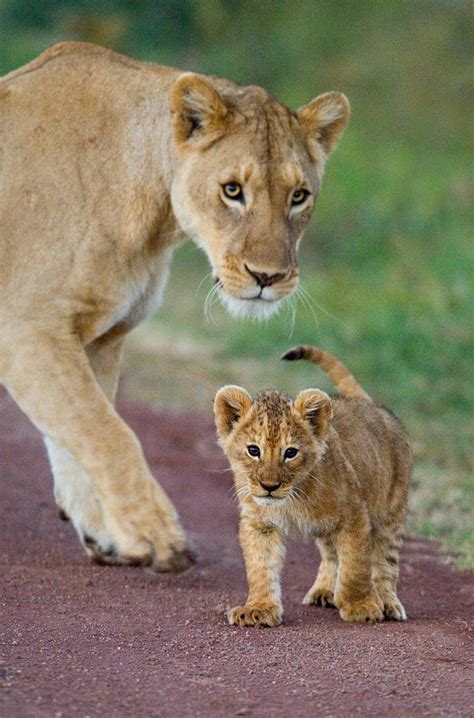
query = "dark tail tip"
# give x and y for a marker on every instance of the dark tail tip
(294, 354)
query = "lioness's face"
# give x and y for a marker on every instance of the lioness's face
(248, 173)
(272, 442)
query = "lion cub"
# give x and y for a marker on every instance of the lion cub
(336, 470)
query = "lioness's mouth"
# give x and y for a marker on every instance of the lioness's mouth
(254, 298)
(257, 306)
(257, 299)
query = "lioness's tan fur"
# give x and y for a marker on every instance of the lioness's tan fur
(105, 165)
(346, 487)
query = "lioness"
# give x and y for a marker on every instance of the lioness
(106, 164)
(336, 470)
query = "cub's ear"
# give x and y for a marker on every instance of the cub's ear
(230, 404)
(315, 406)
(199, 114)
(324, 119)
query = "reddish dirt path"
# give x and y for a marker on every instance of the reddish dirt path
(83, 640)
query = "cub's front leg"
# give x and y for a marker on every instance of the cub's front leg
(264, 552)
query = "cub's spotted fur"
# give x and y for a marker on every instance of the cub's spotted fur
(334, 469)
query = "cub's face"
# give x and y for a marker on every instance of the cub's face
(272, 443)
(248, 173)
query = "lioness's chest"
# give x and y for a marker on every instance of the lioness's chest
(136, 297)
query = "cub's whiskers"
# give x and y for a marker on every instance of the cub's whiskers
(300, 494)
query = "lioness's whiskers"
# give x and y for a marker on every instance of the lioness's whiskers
(302, 295)
(291, 303)
(312, 301)
(211, 298)
(206, 276)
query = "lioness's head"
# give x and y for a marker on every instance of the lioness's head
(272, 442)
(248, 171)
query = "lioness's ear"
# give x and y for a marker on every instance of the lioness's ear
(325, 118)
(230, 404)
(199, 114)
(316, 407)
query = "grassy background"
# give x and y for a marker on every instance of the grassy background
(388, 259)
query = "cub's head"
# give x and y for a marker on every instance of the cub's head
(272, 442)
(248, 171)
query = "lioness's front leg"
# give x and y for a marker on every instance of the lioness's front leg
(52, 381)
(73, 490)
(264, 552)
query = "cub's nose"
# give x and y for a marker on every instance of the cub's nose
(263, 279)
(269, 487)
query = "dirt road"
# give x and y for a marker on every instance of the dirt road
(83, 640)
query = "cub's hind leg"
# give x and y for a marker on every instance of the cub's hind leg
(322, 591)
(388, 541)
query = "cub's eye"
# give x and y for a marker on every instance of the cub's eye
(234, 191)
(290, 452)
(253, 450)
(299, 196)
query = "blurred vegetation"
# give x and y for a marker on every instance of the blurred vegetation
(389, 259)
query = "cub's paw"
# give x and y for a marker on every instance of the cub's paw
(369, 610)
(319, 596)
(393, 609)
(253, 616)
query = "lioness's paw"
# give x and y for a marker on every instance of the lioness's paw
(109, 551)
(319, 596)
(174, 556)
(369, 610)
(180, 559)
(252, 616)
(393, 609)
(175, 560)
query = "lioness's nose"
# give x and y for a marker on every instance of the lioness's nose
(269, 487)
(263, 279)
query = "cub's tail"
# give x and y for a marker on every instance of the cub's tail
(335, 369)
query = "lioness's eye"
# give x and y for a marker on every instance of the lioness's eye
(290, 452)
(299, 196)
(233, 190)
(253, 450)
